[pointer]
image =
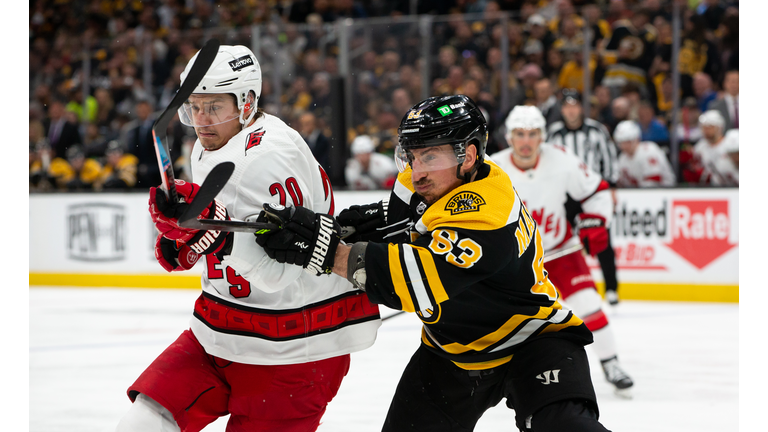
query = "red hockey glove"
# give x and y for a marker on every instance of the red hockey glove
(593, 232)
(172, 258)
(165, 215)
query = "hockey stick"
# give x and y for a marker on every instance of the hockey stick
(160, 127)
(547, 258)
(213, 184)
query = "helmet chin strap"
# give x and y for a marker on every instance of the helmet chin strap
(246, 122)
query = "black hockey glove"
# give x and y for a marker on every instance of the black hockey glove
(363, 223)
(305, 238)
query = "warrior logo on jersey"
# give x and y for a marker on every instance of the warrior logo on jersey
(254, 139)
(464, 202)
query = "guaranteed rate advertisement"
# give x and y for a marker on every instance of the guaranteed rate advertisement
(686, 236)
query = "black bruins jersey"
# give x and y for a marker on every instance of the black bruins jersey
(471, 267)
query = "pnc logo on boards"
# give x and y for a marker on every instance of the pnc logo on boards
(700, 230)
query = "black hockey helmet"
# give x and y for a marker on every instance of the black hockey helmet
(455, 120)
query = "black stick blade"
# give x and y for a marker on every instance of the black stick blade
(213, 184)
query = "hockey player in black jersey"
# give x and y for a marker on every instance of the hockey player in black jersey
(455, 245)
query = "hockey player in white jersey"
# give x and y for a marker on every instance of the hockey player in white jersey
(641, 164)
(544, 177)
(269, 343)
(715, 149)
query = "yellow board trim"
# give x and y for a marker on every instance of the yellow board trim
(115, 280)
(627, 290)
(675, 292)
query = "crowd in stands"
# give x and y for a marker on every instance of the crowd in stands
(103, 140)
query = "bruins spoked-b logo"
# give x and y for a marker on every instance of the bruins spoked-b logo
(464, 202)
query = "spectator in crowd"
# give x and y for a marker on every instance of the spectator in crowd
(368, 170)
(688, 130)
(141, 144)
(620, 111)
(546, 101)
(629, 51)
(728, 103)
(652, 128)
(38, 144)
(524, 92)
(384, 132)
(703, 90)
(572, 73)
(84, 171)
(315, 138)
(119, 170)
(641, 164)
(62, 133)
(712, 152)
(106, 112)
(84, 110)
(401, 102)
(94, 141)
(604, 113)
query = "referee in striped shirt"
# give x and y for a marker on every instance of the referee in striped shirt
(590, 140)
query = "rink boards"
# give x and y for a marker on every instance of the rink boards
(670, 244)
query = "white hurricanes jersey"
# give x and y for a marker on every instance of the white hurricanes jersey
(253, 309)
(647, 167)
(545, 188)
(381, 171)
(719, 169)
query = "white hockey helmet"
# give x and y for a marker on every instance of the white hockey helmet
(712, 118)
(627, 130)
(362, 144)
(235, 71)
(525, 117)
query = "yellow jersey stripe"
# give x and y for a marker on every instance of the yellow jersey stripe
(398, 280)
(484, 342)
(433, 278)
(484, 365)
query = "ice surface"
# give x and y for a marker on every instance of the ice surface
(87, 345)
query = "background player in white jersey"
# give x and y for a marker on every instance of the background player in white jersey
(545, 176)
(268, 344)
(367, 169)
(713, 151)
(641, 164)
